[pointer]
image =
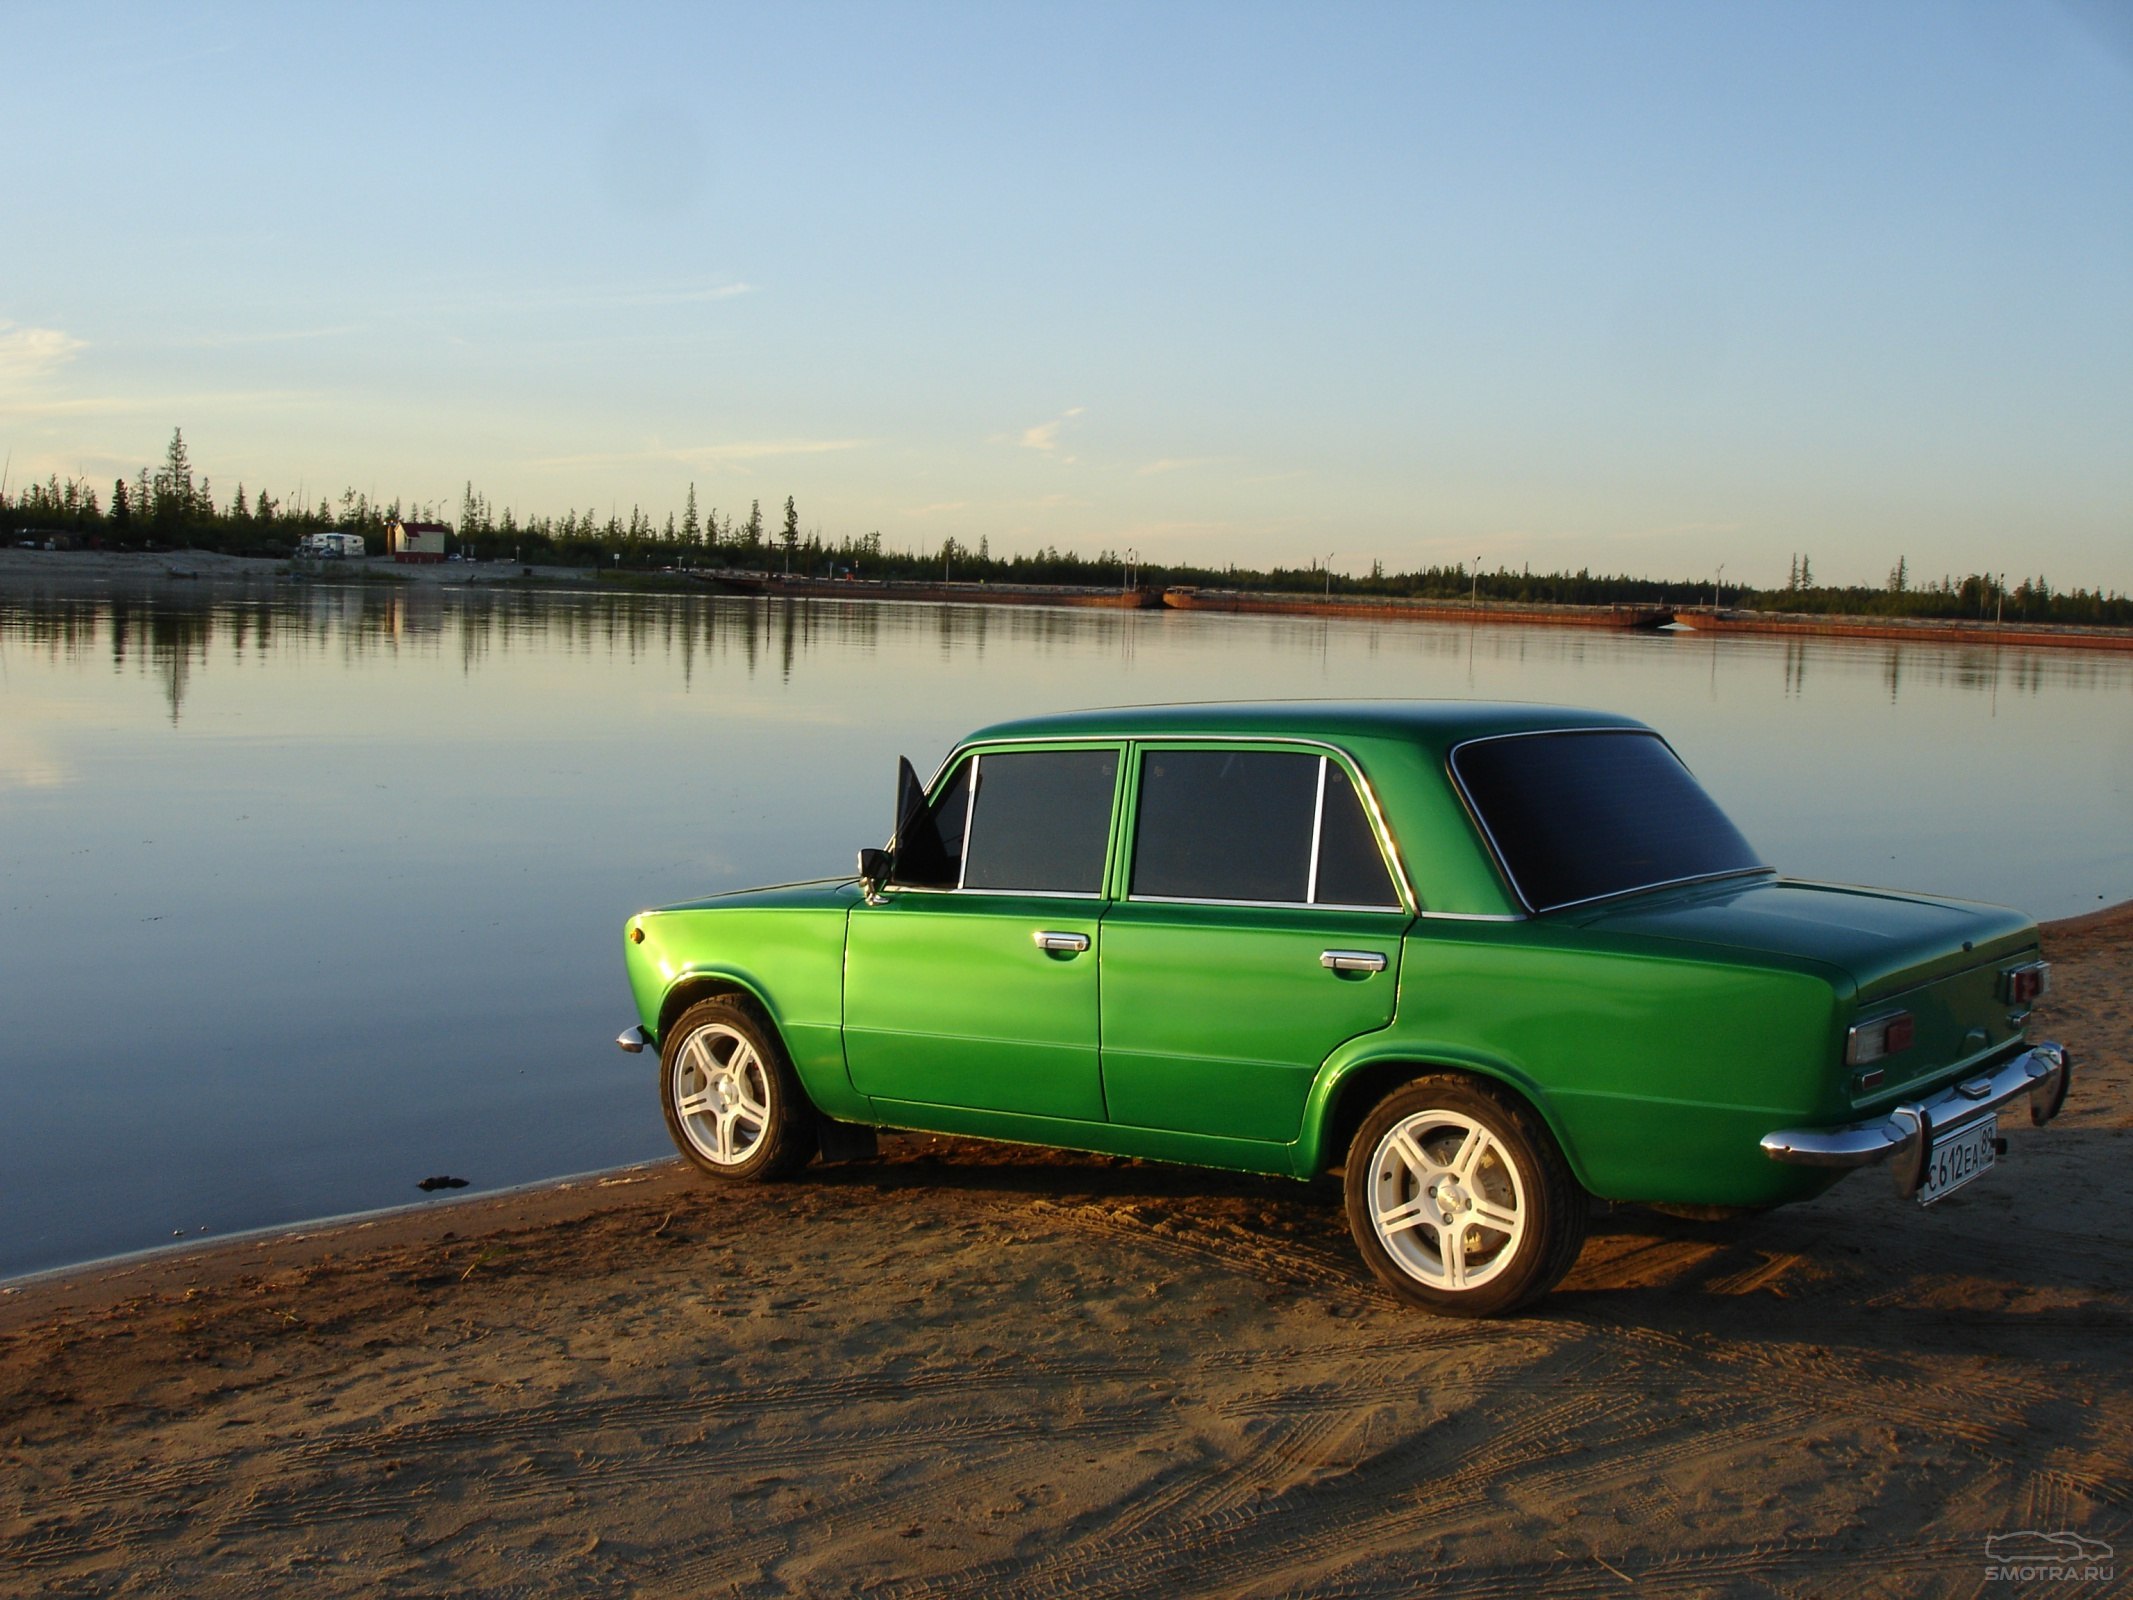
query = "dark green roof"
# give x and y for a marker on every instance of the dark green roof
(1431, 722)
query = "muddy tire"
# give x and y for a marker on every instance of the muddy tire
(732, 1102)
(1459, 1199)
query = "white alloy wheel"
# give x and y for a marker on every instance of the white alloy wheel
(721, 1094)
(1447, 1200)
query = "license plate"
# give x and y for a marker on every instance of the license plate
(1957, 1157)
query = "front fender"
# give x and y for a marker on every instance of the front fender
(788, 959)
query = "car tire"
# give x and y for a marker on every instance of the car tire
(733, 1103)
(1459, 1199)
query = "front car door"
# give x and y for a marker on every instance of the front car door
(1260, 928)
(974, 983)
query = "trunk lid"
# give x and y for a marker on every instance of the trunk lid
(1886, 942)
(1939, 960)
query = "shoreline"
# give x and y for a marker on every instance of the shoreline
(2076, 935)
(968, 1370)
(173, 570)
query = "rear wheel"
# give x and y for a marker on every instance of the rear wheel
(1459, 1200)
(732, 1103)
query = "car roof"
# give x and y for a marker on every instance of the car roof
(1437, 723)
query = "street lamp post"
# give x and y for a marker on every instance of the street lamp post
(1330, 554)
(1716, 583)
(1474, 594)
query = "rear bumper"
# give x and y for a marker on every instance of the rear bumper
(1904, 1135)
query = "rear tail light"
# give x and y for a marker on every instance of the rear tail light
(2024, 986)
(1884, 1036)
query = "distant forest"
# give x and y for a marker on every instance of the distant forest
(170, 508)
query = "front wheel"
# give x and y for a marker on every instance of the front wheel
(1459, 1200)
(732, 1103)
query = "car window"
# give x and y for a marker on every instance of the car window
(929, 852)
(1351, 871)
(1578, 816)
(1041, 821)
(1283, 827)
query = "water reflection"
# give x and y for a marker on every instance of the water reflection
(346, 864)
(175, 635)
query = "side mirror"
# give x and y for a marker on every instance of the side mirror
(873, 873)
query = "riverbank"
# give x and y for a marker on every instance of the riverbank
(24, 570)
(975, 1370)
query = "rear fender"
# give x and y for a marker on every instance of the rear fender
(1363, 1072)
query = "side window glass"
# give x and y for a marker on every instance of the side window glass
(1225, 825)
(932, 856)
(1351, 872)
(1041, 821)
(1280, 827)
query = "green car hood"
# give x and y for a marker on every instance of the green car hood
(1884, 941)
(815, 892)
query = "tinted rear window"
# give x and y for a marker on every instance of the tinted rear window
(1577, 816)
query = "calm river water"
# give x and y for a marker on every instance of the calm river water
(308, 893)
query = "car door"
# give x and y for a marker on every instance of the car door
(973, 983)
(1260, 929)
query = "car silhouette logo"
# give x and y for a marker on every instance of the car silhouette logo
(2029, 1547)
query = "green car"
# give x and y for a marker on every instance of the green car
(1490, 961)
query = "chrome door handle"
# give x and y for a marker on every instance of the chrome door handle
(1065, 944)
(1352, 961)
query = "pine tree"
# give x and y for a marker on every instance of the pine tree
(174, 484)
(121, 506)
(754, 530)
(690, 528)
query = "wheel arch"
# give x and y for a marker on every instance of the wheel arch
(691, 987)
(1346, 1091)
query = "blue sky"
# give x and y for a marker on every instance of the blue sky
(1642, 287)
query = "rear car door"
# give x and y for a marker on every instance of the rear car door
(974, 983)
(1259, 929)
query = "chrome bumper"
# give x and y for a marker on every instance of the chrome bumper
(1905, 1135)
(633, 1039)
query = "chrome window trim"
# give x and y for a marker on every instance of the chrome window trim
(1503, 865)
(1381, 835)
(1026, 894)
(1262, 905)
(970, 812)
(1318, 832)
(1473, 916)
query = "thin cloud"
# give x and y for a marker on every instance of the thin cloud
(937, 507)
(119, 405)
(28, 355)
(594, 298)
(706, 455)
(1175, 464)
(1045, 435)
(226, 341)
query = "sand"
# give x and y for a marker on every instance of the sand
(965, 1370)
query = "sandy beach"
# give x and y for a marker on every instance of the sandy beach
(972, 1370)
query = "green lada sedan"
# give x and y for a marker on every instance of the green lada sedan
(1489, 961)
